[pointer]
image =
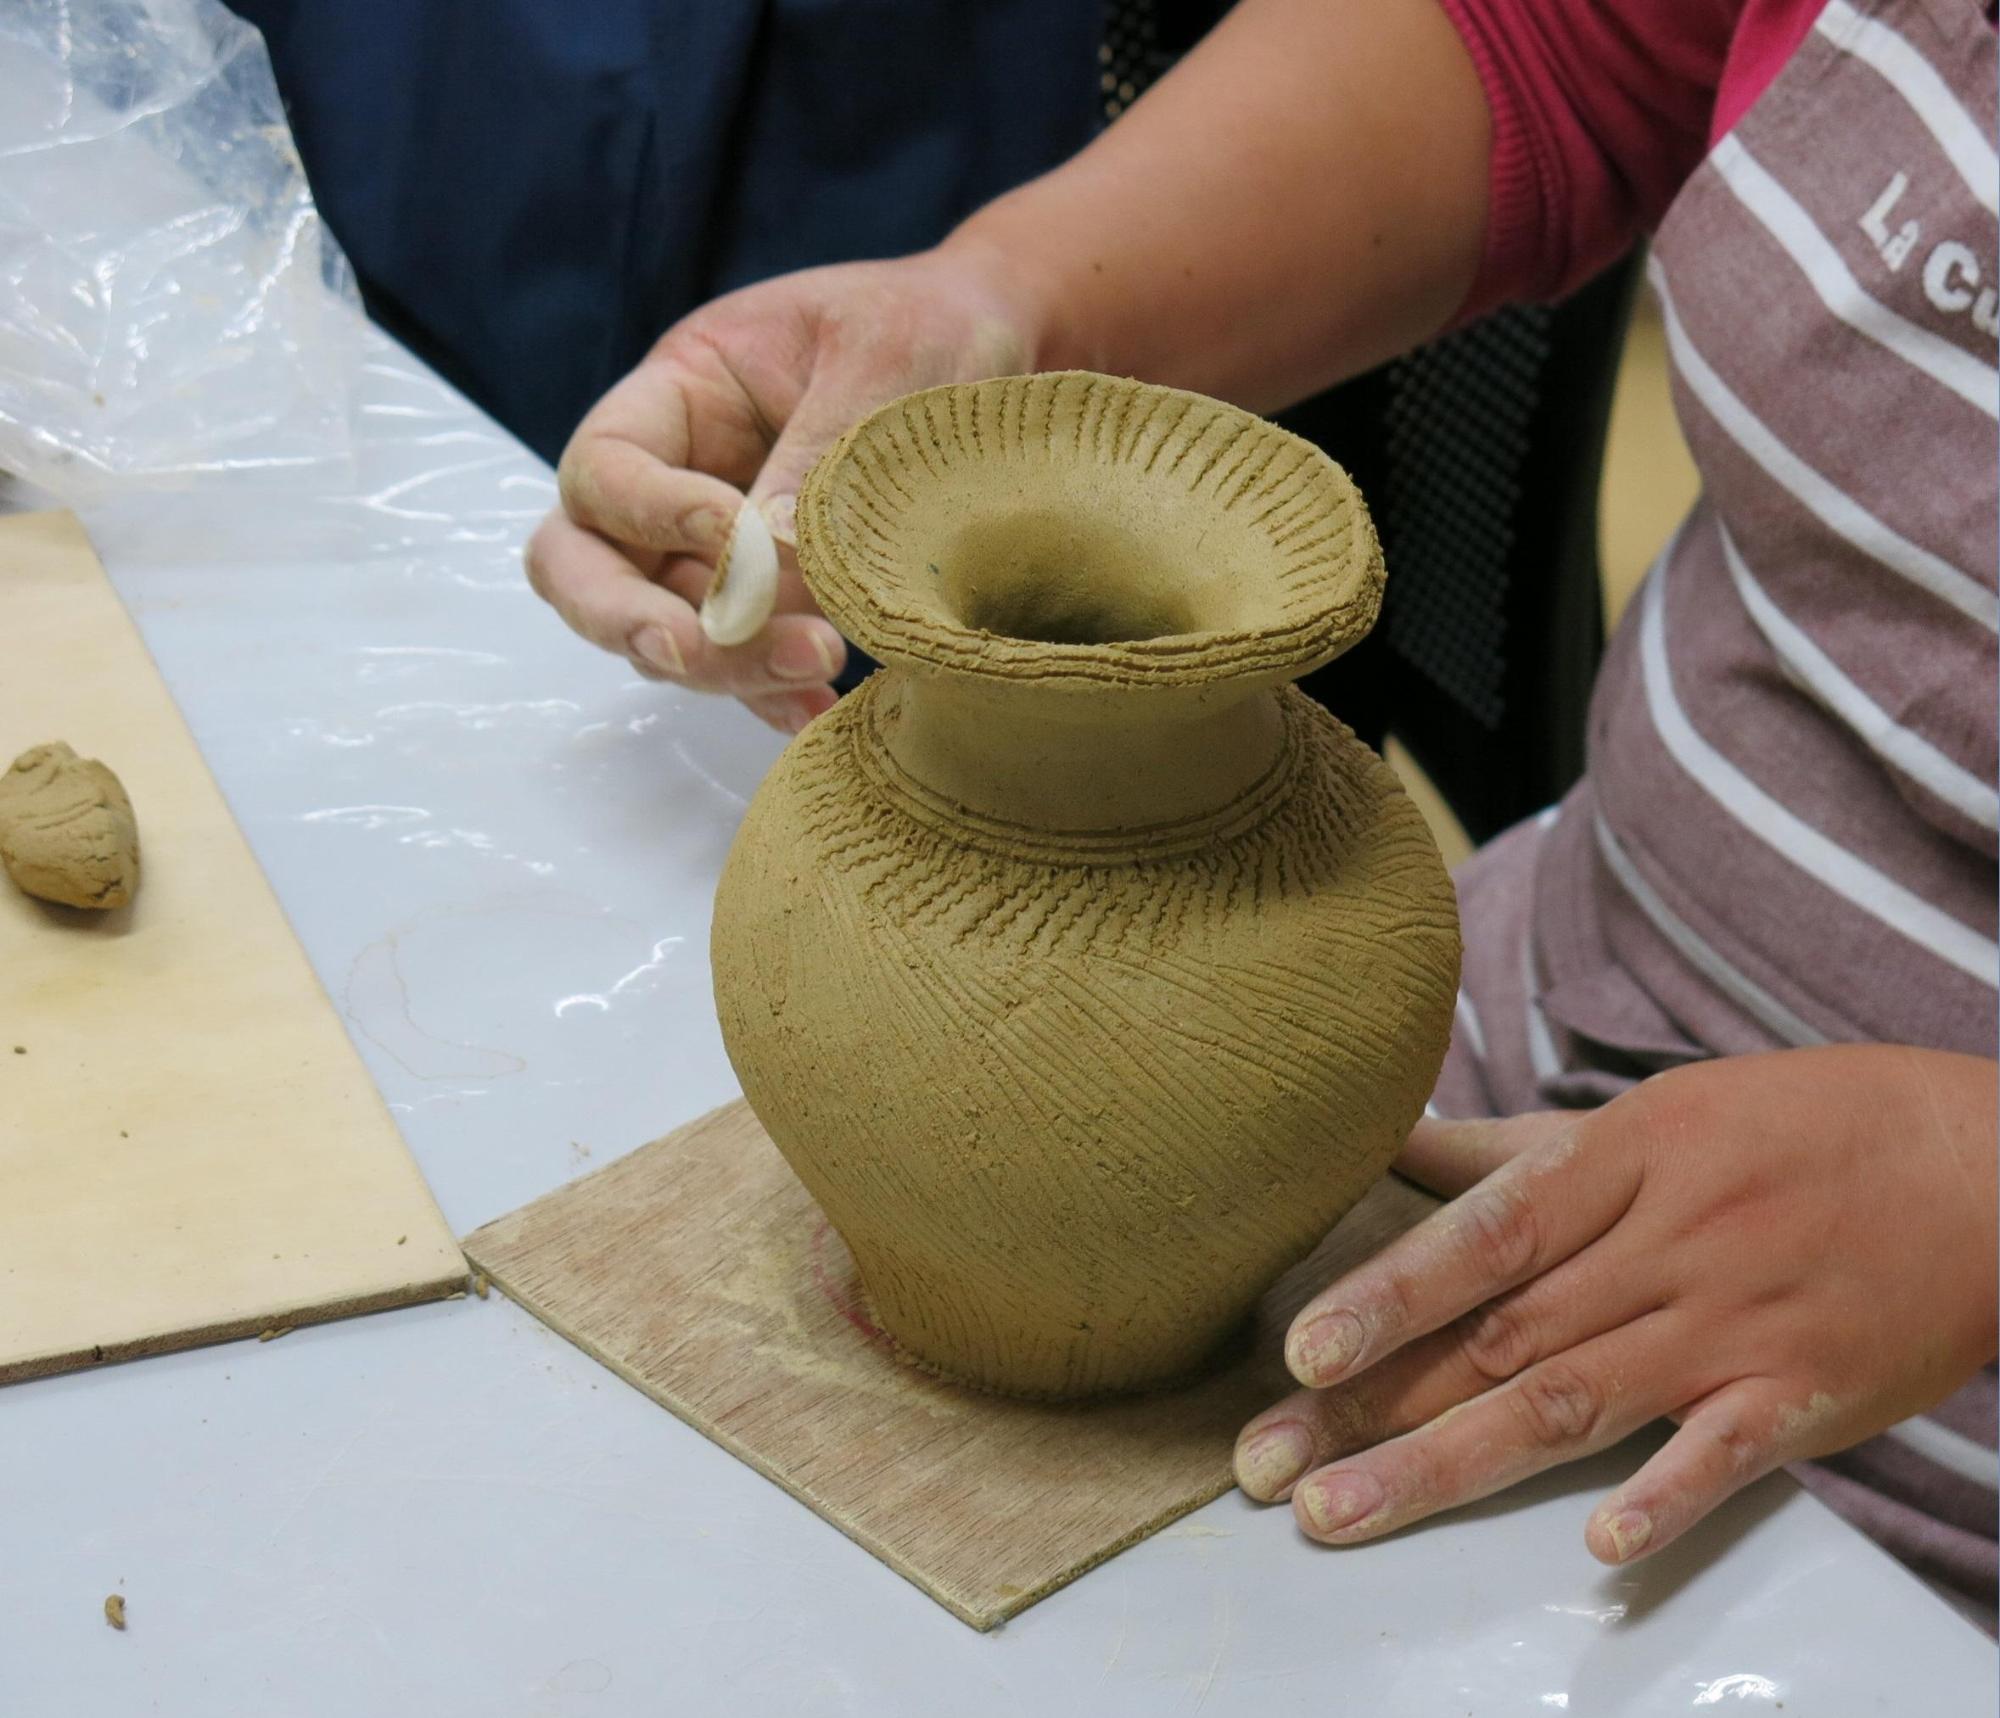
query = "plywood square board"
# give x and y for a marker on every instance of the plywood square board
(190, 1149)
(699, 1269)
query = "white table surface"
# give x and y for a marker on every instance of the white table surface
(498, 848)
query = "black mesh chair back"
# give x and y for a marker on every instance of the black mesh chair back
(1480, 457)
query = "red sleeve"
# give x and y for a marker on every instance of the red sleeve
(1601, 109)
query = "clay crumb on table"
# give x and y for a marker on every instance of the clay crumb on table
(67, 832)
(114, 1611)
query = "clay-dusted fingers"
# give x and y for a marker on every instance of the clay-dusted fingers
(795, 654)
(795, 646)
(1585, 1297)
(611, 601)
(695, 579)
(1310, 1428)
(791, 653)
(1560, 1410)
(790, 712)
(1525, 1218)
(1449, 1156)
(1725, 1442)
(620, 490)
(602, 593)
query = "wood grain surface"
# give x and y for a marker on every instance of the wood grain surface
(699, 1270)
(190, 1149)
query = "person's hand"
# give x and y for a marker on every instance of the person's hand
(1784, 1253)
(740, 398)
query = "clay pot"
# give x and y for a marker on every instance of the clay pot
(1084, 970)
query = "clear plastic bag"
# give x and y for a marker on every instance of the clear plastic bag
(171, 308)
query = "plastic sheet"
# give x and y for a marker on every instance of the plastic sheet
(171, 308)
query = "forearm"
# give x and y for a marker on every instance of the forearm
(1302, 197)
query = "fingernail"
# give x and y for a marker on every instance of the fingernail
(799, 721)
(708, 528)
(1273, 1459)
(1334, 1501)
(1629, 1531)
(655, 647)
(781, 514)
(801, 656)
(1319, 1352)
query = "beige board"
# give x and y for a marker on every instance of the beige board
(699, 1269)
(190, 1149)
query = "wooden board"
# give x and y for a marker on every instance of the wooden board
(190, 1149)
(699, 1269)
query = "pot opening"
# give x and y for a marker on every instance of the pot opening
(1065, 578)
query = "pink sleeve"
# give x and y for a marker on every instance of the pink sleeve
(1601, 109)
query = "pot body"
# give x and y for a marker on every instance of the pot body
(1075, 1099)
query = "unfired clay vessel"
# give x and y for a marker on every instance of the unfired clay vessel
(1084, 970)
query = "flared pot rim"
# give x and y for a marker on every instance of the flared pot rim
(1171, 541)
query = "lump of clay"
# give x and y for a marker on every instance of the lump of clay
(67, 833)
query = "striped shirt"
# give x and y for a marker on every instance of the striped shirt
(1786, 833)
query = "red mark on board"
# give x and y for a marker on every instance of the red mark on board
(840, 1283)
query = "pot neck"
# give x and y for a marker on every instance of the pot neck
(1083, 768)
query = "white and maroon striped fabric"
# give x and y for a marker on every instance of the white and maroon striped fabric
(1786, 835)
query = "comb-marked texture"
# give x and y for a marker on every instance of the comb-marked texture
(1076, 1089)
